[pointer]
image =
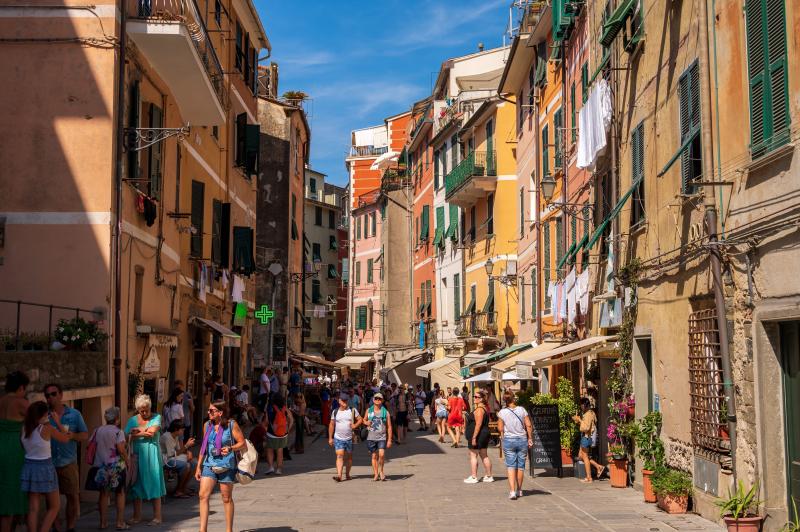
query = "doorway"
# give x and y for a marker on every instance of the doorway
(790, 369)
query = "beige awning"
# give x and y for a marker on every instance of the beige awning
(425, 369)
(229, 338)
(354, 361)
(315, 361)
(508, 364)
(572, 351)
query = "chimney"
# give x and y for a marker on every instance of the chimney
(480, 46)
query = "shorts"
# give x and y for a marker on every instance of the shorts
(343, 445)
(420, 410)
(482, 441)
(177, 464)
(376, 445)
(68, 483)
(586, 442)
(515, 451)
(441, 414)
(402, 419)
(228, 477)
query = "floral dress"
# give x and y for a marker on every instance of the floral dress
(149, 482)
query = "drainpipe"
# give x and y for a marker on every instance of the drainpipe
(537, 221)
(116, 229)
(715, 261)
(564, 166)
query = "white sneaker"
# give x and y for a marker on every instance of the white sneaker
(512, 495)
(279, 471)
(471, 480)
(519, 494)
(269, 471)
(488, 479)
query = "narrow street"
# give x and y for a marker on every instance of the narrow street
(424, 492)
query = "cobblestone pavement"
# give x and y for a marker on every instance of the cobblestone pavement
(424, 492)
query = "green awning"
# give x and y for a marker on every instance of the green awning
(489, 302)
(615, 22)
(684, 146)
(502, 353)
(613, 214)
(579, 246)
(541, 73)
(438, 237)
(566, 256)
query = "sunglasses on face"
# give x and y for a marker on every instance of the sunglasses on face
(51, 394)
(213, 411)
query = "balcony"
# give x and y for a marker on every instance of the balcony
(367, 151)
(472, 178)
(477, 325)
(394, 178)
(172, 36)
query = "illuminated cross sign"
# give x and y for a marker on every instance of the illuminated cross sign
(264, 314)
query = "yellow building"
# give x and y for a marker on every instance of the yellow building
(482, 184)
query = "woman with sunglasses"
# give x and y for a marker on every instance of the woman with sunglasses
(144, 430)
(216, 464)
(379, 436)
(477, 434)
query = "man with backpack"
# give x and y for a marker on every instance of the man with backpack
(279, 423)
(379, 436)
(340, 436)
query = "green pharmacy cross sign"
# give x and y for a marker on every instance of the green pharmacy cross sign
(264, 314)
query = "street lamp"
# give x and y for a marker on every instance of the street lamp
(548, 185)
(302, 276)
(489, 267)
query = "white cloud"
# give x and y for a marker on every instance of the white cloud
(308, 59)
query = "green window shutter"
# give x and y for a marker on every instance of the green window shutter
(585, 219)
(369, 270)
(439, 236)
(534, 300)
(423, 229)
(546, 264)
(154, 155)
(452, 228)
(584, 81)
(332, 274)
(358, 273)
(216, 232)
(316, 293)
(457, 297)
(559, 239)
(572, 120)
(522, 299)
(767, 73)
(429, 296)
(374, 218)
(361, 321)
(198, 213)
(637, 173)
(436, 170)
(545, 151)
(689, 105)
(558, 132)
(573, 228)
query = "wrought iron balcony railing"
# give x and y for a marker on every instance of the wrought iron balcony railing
(367, 151)
(477, 324)
(475, 164)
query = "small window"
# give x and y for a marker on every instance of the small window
(490, 214)
(332, 219)
(332, 243)
(318, 215)
(312, 185)
(316, 253)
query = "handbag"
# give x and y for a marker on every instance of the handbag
(91, 449)
(132, 464)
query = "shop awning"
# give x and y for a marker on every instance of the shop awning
(425, 369)
(512, 376)
(578, 247)
(502, 353)
(475, 356)
(354, 361)
(566, 256)
(509, 362)
(404, 358)
(483, 377)
(570, 352)
(315, 361)
(229, 338)
(613, 214)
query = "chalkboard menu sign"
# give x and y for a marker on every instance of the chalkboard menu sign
(546, 450)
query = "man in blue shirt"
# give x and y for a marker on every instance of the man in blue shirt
(65, 455)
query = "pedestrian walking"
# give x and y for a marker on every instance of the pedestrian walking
(219, 390)
(340, 436)
(379, 435)
(477, 434)
(177, 457)
(401, 400)
(455, 417)
(440, 406)
(38, 477)
(216, 463)
(144, 431)
(13, 407)
(188, 409)
(587, 422)
(263, 390)
(65, 454)
(107, 474)
(420, 400)
(284, 382)
(279, 423)
(299, 414)
(515, 428)
(430, 402)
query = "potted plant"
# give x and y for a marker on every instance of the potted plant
(650, 449)
(618, 465)
(672, 488)
(794, 524)
(78, 334)
(567, 408)
(740, 509)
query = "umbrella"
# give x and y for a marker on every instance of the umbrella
(385, 160)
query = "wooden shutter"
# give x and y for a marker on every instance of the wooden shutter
(239, 54)
(134, 102)
(225, 236)
(573, 121)
(522, 299)
(241, 134)
(534, 301)
(558, 132)
(559, 239)
(154, 154)
(198, 204)
(689, 106)
(584, 82)
(374, 218)
(453, 221)
(369, 270)
(545, 151)
(361, 318)
(243, 250)
(358, 273)
(573, 228)
(252, 136)
(216, 232)
(425, 222)
(546, 264)
(637, 173)
(456, 297)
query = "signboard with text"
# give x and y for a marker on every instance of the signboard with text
(546, 450)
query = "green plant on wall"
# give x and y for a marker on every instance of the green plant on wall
(567, 408)
(649, 446)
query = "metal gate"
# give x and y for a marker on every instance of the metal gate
(706, 385)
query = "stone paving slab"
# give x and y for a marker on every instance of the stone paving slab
(424, 492)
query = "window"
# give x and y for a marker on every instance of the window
(312, 185)
(584, 82)
(457, 297)
(453, 151)
(332, 219)
(316, 293)
(490, 214)
(153, 154)
(436, 170)
(330, 328)
(534, 299)
(637, 174)
(247, 143)
(521, 212)
(488, 307)
(295, 232)
(463, 225)
(358, 273)
(345, 270)
(239, 48)
(424, 223)
(472, 221)
(545, 151)
(706, 382)
(546, 266)
(243, 261)
(522, 299)
(691, 146)
(358, 227)
(137, 293)
(216, 232)
(374, 218)
(559, 239)
(558, 136)
(318, 215)
(767, 73)
(361, 318)
(332, 244)
(369, 271)
(332, 271)
(316, 253)
(572, 114)
(198, 207)
(366, 226)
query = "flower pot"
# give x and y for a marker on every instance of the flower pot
(744, 524)
(647, 485)
(618, 473)
(673, 504)
(631, 411)
(723, 433)
(566, 456)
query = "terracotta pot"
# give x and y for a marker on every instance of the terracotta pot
(673, 504)
(647, 484)
(744, 524)
(631, 411)
(566, 456)
(723, 433)
(618, 473)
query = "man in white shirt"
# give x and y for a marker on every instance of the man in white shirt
(177, 457)
(263, 390)
(340, 436)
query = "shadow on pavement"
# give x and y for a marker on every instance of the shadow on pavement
(272, 529)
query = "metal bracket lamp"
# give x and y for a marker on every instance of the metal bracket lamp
(140, 138)
(299, 277)
(506, 280)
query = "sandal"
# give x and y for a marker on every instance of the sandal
(601, 472)
(348, 477)
(154, 522)
(586, 481)
(182, 496)
(125, 526)
(337, 479)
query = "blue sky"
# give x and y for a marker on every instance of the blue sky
(363, 61)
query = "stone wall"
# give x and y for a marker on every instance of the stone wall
(70, 369)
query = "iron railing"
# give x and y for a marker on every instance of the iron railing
(17, 338)
(477, 324)
(479, 163)
(187, 12)
(368, 151)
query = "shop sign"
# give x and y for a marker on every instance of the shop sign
(546, 450)
(152, 364)
(163, 340)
